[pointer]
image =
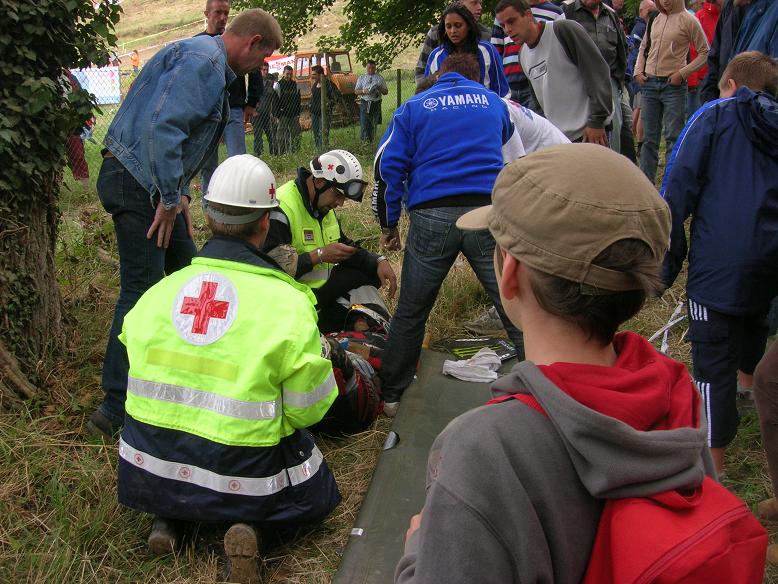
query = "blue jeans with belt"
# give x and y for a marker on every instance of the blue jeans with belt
(141, 265)
(662, 104)
(432, 245)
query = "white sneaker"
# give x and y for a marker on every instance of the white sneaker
(390, 409)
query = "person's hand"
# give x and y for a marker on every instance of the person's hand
(390, 239)
(414, 526)
(595, 136)
(337, 252)
(387, 276)
(676, 79)
(163, 224)
(641, 78)
(248, 114)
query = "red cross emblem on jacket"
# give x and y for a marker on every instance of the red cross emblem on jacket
(205, 307)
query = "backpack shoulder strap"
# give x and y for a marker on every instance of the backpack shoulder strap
(527, 398)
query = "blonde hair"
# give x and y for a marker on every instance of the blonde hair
(752, 69)
(257, 21)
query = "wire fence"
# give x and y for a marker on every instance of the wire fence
(292, 121)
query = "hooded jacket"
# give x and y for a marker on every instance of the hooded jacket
(515, 496)
(724, 172)
(671, 34)
(759, 30)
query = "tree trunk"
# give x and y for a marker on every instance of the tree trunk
(30, 300)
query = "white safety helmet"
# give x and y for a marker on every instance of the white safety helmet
(342, 169)
(241, 181)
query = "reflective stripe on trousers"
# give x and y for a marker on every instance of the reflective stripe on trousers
(252, 487)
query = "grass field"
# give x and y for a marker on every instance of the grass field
(59, 519)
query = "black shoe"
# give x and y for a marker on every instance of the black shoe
(101, 425)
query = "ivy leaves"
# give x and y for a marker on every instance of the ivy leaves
(38, 40)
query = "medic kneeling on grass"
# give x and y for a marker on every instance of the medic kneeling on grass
(225, 374)
(590, 465)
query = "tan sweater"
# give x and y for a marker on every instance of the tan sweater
(671, 34)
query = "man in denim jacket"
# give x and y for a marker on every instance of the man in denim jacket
(170, 121)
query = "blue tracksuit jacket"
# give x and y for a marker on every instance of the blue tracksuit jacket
(446, 141)
(724, 172)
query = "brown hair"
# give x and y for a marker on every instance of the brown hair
(463, 63)
(521, 6)
(597, 311)
(257, 21)
(244, 231)
(752, 69)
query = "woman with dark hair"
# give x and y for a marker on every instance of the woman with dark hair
(458, 33)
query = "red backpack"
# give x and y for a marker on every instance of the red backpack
(708, 535)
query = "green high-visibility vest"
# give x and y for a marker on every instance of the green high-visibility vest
(229, 352)
(307, 232)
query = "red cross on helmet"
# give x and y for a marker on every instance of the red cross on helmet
(341, 169)
(241, 181)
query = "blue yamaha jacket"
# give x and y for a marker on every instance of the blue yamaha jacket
(173, 116)
(724, 172)
(446, 141)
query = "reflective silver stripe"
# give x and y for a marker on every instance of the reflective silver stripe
(313, 275)
(279, 216)
(252, 487)
(226, 406)
(296, 399)
(306, 469)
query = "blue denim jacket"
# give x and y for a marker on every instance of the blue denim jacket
(173, 116)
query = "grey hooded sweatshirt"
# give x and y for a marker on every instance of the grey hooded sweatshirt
(515, 496)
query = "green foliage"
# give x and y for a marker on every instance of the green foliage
(378, 30)
(37, 41)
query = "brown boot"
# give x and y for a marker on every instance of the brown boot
(772, 554)
(163, 538)
(241, 546)
(767, 510)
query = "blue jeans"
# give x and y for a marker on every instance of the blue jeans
(234, 139)
(432, 245)
(662, 103)
(141, 265)
(369, 118)
(692, 101)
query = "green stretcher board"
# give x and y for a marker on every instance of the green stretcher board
(397, 490)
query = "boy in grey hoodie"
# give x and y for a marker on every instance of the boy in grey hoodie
(514, 495)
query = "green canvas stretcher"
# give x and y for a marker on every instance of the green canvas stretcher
(397, 490)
